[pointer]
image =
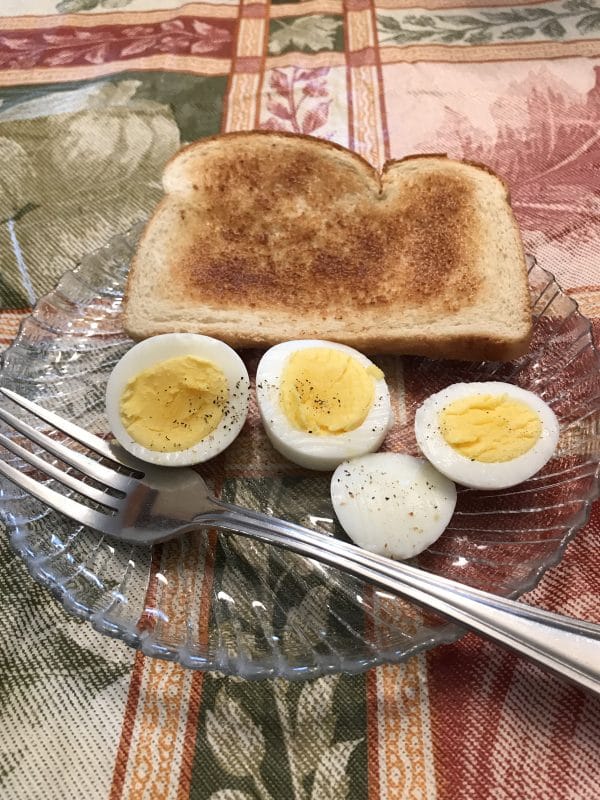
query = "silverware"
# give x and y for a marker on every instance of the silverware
(147, 505)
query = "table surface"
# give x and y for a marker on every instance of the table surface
(95, 95)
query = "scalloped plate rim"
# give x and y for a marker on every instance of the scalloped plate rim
(144, 641)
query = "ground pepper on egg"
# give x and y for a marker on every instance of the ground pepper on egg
(325, 391)
(175, 403)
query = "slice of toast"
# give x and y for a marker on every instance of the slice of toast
(265, 237)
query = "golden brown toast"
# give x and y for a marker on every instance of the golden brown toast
(263, 237)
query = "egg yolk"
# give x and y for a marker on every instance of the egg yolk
(490, 428)
(174, 404)
(326, 391)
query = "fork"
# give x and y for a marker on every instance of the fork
(145, 505)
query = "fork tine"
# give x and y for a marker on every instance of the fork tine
(86, 438)
(65, 505)
(81, 462)
(58, 474)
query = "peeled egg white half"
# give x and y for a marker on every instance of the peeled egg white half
(478, 474)
(391, 503)
(314, 451)
(152, 351)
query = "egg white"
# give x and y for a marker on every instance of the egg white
(314, 451)
(392, 504)
(152, 351)
(477, 474)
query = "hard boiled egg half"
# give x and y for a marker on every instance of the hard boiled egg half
(391, 503)
(177, 399)
(322, 402)
(488, 435)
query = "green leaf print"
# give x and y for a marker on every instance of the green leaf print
(553, 29)
(463, 21)
(479, 37)
(283, 740)
(41, 646)
(420, 21)
(315, 722)
(17, 181)
(237, 743)
(520, 32)
(83, 176)
(452, 36)
(331, 780)
(73, 6)
(537, 13)
(482, 26)
(392, 24)
(503, 17)
(579, 5)
(590, 23)
(307, 623)
(308, 34)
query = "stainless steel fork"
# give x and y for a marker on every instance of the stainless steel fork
(147, 504)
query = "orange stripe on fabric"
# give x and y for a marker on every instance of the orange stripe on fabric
(168, 63)
(117, 17)
(403, 757)
(373, 783)
(189, 742)
(307, 60)
(263, 62)
(382, 107)
(308, 7)
(402, 716)
(251, 38)
(231, 73)
(365, 83)
(193, 65)
(588, 300)
(360, 31)
(346, 61)
(474, 53)
(368, 140)
(10, 320)
(135, 683)
(209, 10)
(371, 704)
(133, 696)
(451, 4)
(242, 103)
(155, 765)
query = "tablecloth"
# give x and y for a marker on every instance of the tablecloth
(95, 96)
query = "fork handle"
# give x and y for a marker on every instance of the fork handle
(566, 646)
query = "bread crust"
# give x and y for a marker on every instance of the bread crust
(316, 243)
(245, 136)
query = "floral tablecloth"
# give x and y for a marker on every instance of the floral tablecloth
(95, 95)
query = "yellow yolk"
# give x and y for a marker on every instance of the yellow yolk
(174, 404)
(490, 428)
(326, 391)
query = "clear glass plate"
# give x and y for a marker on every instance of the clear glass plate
(216, 601)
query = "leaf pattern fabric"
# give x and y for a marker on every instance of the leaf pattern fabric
(95, 97)
(555, 21)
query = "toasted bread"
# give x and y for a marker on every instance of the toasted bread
(263, 237)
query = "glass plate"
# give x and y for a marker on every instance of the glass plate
(217, 601)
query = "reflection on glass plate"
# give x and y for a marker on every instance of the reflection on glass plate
(216, 601)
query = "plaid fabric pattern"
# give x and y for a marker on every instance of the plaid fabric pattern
(95, 96)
